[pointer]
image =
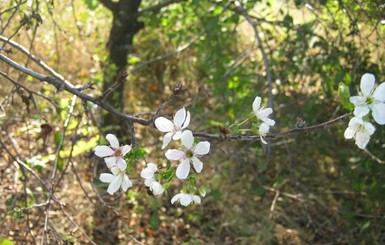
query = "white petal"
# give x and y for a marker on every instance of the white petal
(264, 113)
(256, 104)
(147, 173)
(156, 188)
(110, 161)
(152, 166)
(187, 121)
(185, 200)
(355, 122)
(196, 199)
(358, 100)
(349, 133)
(187, 139)
(180, 117)
(268, 121)
(126, 183)
(183, 169)
(176, 197)
(362, 139)
(198, 165)
(126, 149)
(369, 128)
(378, 113)
(177, 135)
(202, 148)
(263, 129)
(367, 84)
(263, 140)
(106, 178)
(115, 184)
(361, 111)
(103, 151)
(115, 170)
(121, 164)
(379, 94)
(148, 182)
(163, 124)
(166, 139)
(173, 154)
(114, 142)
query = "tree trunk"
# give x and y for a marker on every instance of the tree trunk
(124, 27)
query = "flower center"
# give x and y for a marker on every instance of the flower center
(118, 152)
(189, 153)
(369, 100)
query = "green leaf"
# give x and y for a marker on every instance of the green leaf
(344, 93)
(154, 221)
(4, 241)
(288, 21)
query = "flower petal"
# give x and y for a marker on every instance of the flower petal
(126, 149)
(115, 170)
(198, 165)
(263, 129)
(202, 148)
(361, 111)
(263, 140)
(378, 113)
(379, 94)
(103, 151)
(114, 142)
(163, 124)
(166, 139)
(115, 184)
(147, 173)
(196, 199)
(126, 183)
(152, 166)
(369, 128)
(185, 200)
(176, 197)
(177, 135)
(187, 139)
(180, 117)
(358, 100)
(148, 182)
(110, 161)
(121, 164)
(183, 169)
(349, 133)
(367, 83)
(362, 139)
(187, 121)
(173, 154)
(156, 188)
(106, 178)
(264, 113)
(257, 104)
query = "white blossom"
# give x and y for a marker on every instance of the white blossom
(156, 188)
(263, 115)
(360, 131)
(117, 180)
(370, 98)
(149, 180)
(148, 173)
(189, 154)
(173, 129)
(114, 153)
(186, 199)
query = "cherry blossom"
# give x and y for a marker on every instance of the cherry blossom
(360, 131)
(186, 199)
(148, 173)
(173, 129)
(113, 154)
(263, 130)
(262, 113)
(117, 180)
(156, 188)
(189, 154)
(370, 98)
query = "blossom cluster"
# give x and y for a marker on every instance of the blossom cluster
(189, 153)
(370, 99)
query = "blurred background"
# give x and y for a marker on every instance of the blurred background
(313, 188)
